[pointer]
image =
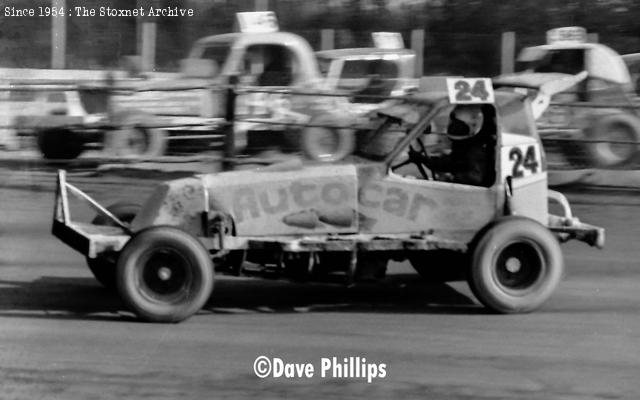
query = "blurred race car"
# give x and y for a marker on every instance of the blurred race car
(354, 82)
(596, 122)
(346, 220)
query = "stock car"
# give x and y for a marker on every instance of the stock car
(345, 219)
(601, 108)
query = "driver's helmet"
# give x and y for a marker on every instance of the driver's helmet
(465, 121)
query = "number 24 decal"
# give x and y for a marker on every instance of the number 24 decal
(470, 90)
(466, 93)
(523, 163)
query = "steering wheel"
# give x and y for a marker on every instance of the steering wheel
(423, 152)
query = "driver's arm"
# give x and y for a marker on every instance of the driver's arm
(441, 163)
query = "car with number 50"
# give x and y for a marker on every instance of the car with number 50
(345, 220)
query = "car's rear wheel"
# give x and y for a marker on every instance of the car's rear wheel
(516, 266)
(619, 140)
(164, 274)
(103, 267)
(326, 143)
(60, 144)
(134, 137)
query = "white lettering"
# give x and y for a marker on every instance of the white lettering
(325, 365)
(291, 370)
(19, 12)
(278, 367)
(170, 12)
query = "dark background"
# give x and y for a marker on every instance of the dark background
(461, 36)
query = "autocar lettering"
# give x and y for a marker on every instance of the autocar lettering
(298, 191)
(418, 202)
(250, 202)
(280, 206)
(334, 193)
(396, 201)
(367, 201)
(245, 199)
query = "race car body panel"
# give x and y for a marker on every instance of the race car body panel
(393, 203)
(522, 166)
(261, 202)
(336, 199)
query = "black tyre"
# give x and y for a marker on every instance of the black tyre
(103, 268)
(617, 127)
(438, 266)
(134, 137)
(516, 265)
(60, 144)
(164, 274)
(327, 144)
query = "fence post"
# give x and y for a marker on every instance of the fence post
(327, 39)
(261, 5)
(508, 52)
(229, 150)
(417, 44)
(58, 35)
(148, 46)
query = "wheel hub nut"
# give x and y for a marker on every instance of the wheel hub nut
(513, 265)
(164, 273)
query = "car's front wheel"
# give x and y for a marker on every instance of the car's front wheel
(516, 266)
(164, 274)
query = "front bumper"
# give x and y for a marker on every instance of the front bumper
(567, 227)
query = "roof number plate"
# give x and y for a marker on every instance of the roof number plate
(470, 90)
(387, 40)
(257, 22)
(567, 35)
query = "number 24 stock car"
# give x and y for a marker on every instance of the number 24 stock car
(346, 219)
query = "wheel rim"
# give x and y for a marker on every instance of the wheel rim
(618, 151)
(165, 276)
(326, 143)
(136, 141)
(519, 267)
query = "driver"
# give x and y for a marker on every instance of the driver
(472, 131)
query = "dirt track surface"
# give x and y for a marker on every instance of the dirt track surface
(62, 336)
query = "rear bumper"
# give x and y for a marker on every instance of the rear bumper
(88, 239)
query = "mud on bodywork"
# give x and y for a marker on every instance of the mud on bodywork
(178, 203)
